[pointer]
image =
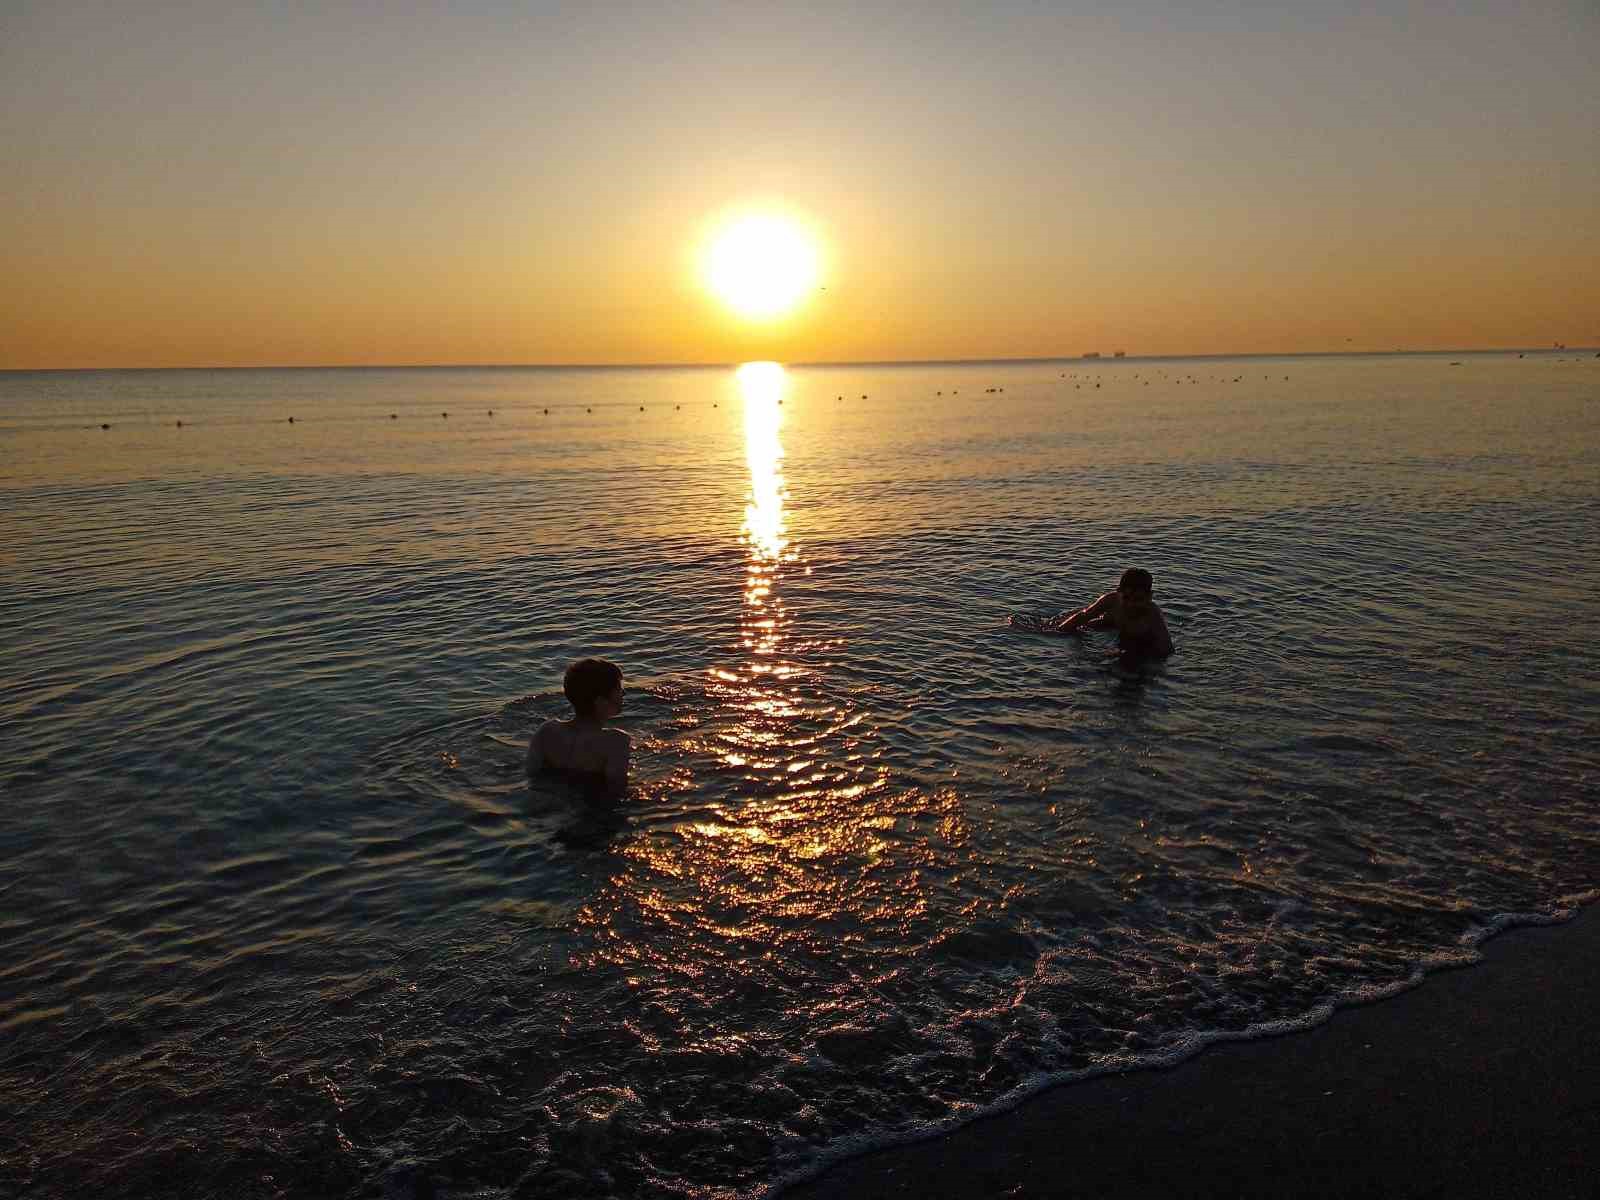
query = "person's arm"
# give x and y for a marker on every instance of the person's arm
(1076, 620)
(1163, 637)
(618, 748)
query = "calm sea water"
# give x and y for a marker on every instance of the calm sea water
(282, 917)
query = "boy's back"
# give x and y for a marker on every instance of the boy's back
(582, 748)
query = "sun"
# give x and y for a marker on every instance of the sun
(761, 265)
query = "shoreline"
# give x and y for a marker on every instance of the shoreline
(1483, 1080)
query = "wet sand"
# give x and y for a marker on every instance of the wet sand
(1484, 1081)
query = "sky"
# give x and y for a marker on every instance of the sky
(221, 184)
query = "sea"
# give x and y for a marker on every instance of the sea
(283, 915)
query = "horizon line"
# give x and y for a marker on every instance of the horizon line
(864, 362)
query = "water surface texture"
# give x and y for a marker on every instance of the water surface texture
(283, 917)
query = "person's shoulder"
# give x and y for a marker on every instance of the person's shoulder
(618, 737)
(551, 727)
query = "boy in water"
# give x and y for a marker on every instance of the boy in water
(583, 747)
(1141, 629)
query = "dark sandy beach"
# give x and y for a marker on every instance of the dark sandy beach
(1483, 1081)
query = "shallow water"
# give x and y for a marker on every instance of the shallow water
(283, 917)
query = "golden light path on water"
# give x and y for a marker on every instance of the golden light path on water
(790, 835)
(757, 682)
(762, 386)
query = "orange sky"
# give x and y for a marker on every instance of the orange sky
(217, 185)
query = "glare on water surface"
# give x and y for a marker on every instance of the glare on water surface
(781, 777)
(760, 679)
(761, 385)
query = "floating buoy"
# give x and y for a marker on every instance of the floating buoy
(676, 407)
(446, 416)
(588, 410)
(547, 412)
(291, 420)
(180, 424)
(105, 427)
(863, 395)
(394, 416)
(491, 412)
(641, 408)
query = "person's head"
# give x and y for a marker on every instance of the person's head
(1136, 585)
(595, 688)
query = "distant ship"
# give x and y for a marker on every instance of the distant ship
(1093, 354)
(1120, 354)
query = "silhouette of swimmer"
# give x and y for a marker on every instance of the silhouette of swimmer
(591, 756)
(1142, 634)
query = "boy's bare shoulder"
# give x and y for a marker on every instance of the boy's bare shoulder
(616, 737)
(1107, 606)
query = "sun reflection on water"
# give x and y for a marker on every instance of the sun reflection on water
(786, 831)
(762, 386)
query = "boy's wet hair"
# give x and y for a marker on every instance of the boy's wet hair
(1136, 579)
(587, 680)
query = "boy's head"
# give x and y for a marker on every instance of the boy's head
(1136, 581)
(588, 681)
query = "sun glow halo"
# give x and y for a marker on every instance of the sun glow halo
(761, 265)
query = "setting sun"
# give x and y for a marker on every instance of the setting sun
(761, 265)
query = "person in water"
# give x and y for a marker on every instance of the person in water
(1130, 610)
(583, 747)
